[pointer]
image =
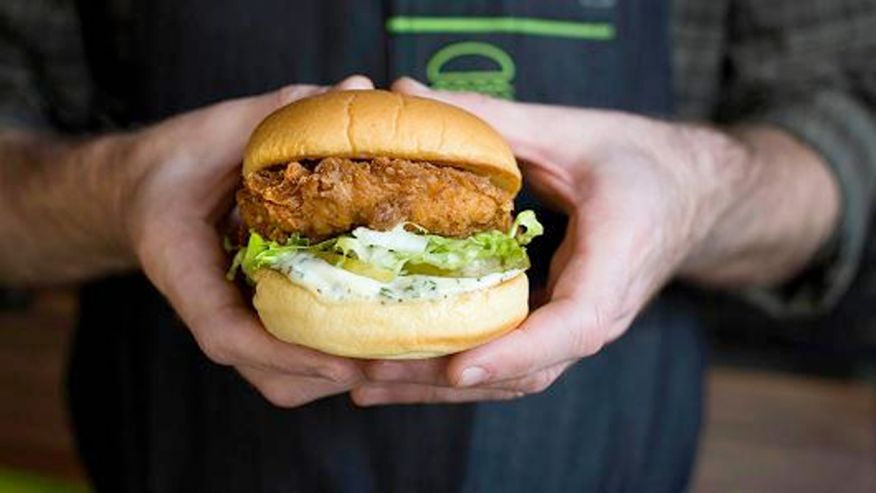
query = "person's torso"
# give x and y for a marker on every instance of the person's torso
(193, 423)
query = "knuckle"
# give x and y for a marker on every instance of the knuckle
(588, 343)
(537, 382)
(287, 392)
(355, 81)
(280, 397)
(280, 391)
(359, 398)
(593, 347)
(341, 374)
(588, 339)
(336, 372)
(215, 349)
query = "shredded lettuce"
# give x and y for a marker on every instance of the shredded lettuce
(385, 254)
(531, 228)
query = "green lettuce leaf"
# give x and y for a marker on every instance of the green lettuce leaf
(531, 228)
(400, 252)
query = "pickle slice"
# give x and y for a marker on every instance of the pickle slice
(357, 266)
(429, 270)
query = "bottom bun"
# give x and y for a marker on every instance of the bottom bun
(388, 330)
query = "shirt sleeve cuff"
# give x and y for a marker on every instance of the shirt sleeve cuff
(843, 132)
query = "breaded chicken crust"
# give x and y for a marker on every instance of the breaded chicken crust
(340, 194)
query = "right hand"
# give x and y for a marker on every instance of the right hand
(184, 173)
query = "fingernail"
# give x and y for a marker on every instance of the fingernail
(413, 84)
(356, 81)
(472, 376)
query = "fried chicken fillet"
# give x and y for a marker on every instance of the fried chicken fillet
(322, 199)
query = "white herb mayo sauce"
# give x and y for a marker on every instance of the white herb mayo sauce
(333, 282)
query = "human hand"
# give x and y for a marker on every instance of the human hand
(640, 195)
(183, 175)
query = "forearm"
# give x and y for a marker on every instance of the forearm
(780, 206)
(61, 206)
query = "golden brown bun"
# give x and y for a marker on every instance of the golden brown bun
(405, 330)
(369, 123)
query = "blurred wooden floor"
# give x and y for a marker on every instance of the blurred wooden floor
(34, 433)
(777, 433)
(766, 432)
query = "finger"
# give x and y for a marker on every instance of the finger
(355, 82)
(290, 94)
(592, 303)
(531, 352)
(217, 134)
(553, 334)
(539, 134)
(185, 262)
(564, 256)
(431, 371)
(289, 391)
(231, 122)
(248, 111)
(372, 395)
(544, 138)
(533, 383)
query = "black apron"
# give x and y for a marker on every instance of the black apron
(153, 414)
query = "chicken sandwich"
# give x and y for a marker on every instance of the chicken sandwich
(380, 225)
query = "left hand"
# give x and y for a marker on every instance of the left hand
(640, 195)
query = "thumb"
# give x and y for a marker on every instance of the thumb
(233, 120)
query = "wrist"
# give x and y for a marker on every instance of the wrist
(108, 176)
(60, 209)
(720, 171)
(780, 206)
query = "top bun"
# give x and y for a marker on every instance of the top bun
(370, 123)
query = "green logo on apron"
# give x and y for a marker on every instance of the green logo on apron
(498, 82)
